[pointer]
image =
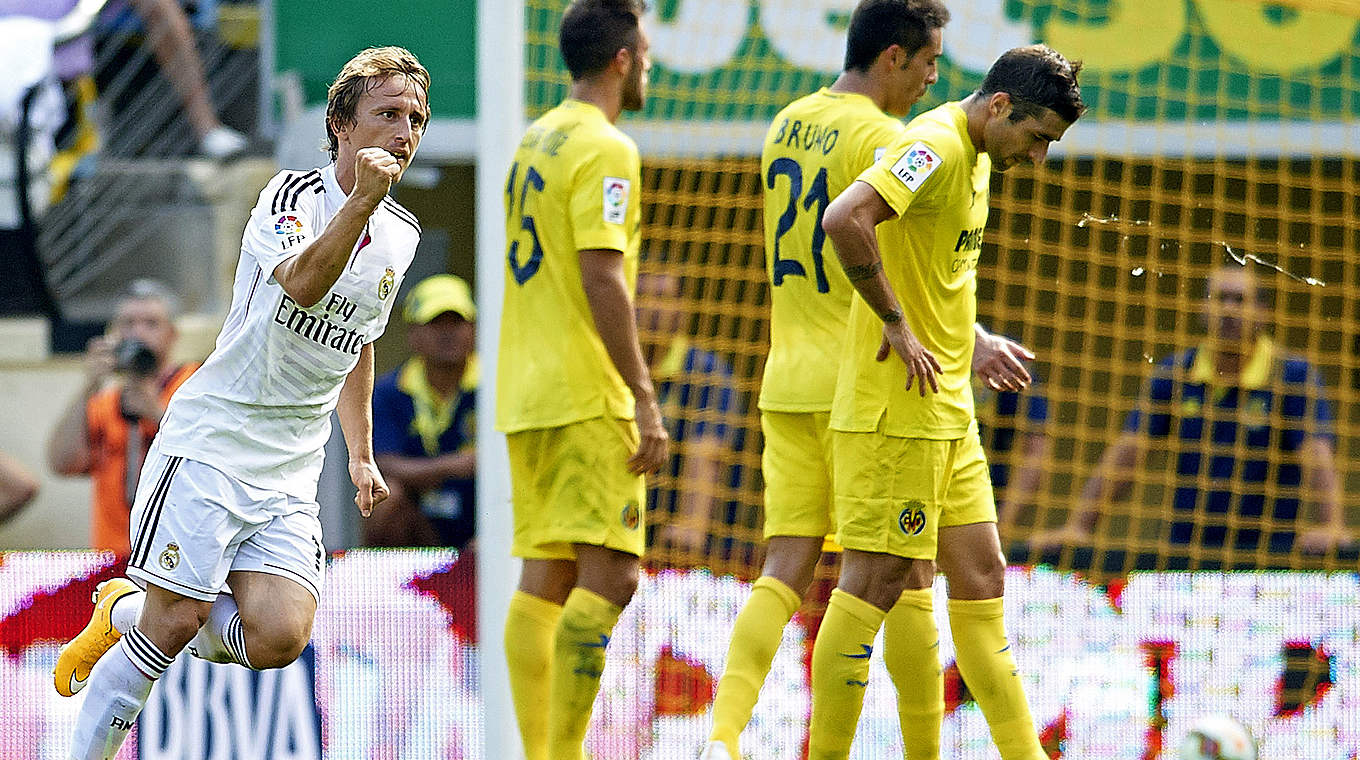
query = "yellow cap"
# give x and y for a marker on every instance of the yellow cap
(437, 294)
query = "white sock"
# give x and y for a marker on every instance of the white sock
(222, 638)
(126, 611)
(118, 688)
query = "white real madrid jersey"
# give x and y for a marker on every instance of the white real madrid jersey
(259, 407)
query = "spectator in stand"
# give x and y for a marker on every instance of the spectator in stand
(107, 429)
(172, 41)
(1250, 429)
(424, 423)
(695, 392)
(1013, 429)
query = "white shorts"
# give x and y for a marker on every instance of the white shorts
(193, 524)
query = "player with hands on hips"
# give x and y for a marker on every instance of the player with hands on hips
(911, 478)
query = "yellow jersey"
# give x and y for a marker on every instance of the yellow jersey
(813, 150)
(937, 183)
(573, 186)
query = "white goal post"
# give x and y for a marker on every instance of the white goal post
(500, 123)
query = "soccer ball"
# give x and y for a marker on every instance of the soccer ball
(1218, 737)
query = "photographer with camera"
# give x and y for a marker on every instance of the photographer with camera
(107, 429)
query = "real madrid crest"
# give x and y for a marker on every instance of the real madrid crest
(169, 558)
(389, 279)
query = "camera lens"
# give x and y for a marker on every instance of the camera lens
(135, 357)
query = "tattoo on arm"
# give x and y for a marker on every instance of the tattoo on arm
(863, 271)
(891, 317)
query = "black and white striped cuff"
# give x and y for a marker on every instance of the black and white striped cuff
(145, 656)
(234, 639)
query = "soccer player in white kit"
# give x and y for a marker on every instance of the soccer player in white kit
(226, 540)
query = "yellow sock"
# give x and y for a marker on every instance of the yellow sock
(529, 626)
(755, 638)
(987, 666)
(911, 650)
(840, 672)
(578, 661)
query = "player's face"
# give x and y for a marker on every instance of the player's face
(1011, 143)
(635, 84)
(1232, 306)
(391, 115)
(445, 340)
(915, 75)
(146, 320)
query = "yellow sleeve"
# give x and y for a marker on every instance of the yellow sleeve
(904, 173)
(883, 137)
(605, 186)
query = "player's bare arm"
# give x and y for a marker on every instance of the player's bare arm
(17, 487)
(849, 222)
(1024, 487)
(701, 471)
(309, 275)
(355, 409)
(421, 473)
(998, 361)
(612, 307)
(1111, 481)
(68, 445)
(1324, 490)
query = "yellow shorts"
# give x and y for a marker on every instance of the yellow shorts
(797, 466)
(571, 485)
(894, 494)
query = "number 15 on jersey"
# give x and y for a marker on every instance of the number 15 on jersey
(515, 207)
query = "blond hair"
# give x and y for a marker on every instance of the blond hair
(365, 71)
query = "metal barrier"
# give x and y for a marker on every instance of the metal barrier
(135, 204)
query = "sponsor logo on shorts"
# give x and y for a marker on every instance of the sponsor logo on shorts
(169, 558)
(389, 279)
(630, 515)
(912, 520)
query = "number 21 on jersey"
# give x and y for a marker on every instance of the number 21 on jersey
(515, 206)
(818, 195)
